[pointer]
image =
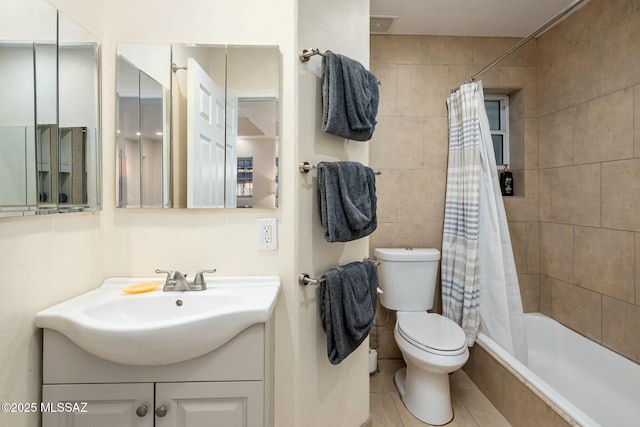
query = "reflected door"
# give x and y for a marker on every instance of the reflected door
(205, 139)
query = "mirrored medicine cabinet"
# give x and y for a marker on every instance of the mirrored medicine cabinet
(49, 112)
(197, 126)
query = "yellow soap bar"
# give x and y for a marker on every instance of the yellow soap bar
(141, 287)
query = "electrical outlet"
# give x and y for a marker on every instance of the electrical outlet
(267, 234)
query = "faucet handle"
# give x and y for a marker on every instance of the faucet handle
(199, 278)
(169, 273)
(172, 275)
(175, 281)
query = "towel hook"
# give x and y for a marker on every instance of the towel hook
(305, 167)
(305, 54)
(175, 68)
(304, 279)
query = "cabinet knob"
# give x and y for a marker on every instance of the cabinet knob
(141, 411)
(161, 411)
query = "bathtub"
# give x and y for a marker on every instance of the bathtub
(592, 385)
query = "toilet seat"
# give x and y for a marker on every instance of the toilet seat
(431, 332)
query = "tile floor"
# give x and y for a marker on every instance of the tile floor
(471, 408)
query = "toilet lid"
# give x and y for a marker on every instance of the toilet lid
(431, 332)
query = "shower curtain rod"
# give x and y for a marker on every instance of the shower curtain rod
(518, 45)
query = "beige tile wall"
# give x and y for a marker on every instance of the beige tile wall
(589, 133)
(410, 145)
(509, 394)
(576, 233)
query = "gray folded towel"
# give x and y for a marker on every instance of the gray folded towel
(347, 200)
(349, 98)
(348, 301)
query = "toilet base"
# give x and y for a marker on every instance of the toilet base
(425, 394)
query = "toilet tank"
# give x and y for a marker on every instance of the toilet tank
(407, 277)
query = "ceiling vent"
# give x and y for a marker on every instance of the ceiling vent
(381, 23)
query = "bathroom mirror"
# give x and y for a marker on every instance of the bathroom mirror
(79, 175)
(28, 130)
(253, 88)
(49, 118)
(142, 128)
(223, 124)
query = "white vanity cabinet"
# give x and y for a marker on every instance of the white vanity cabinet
(233, 404)
(192, 404)
(231, 386)
(107, 405)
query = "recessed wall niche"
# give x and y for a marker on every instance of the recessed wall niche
(516, 134)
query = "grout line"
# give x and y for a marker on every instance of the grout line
(601, 342)
(573, 255)
(393, 402)
(601, 199)
(475, 421)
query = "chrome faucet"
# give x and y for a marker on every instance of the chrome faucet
(177, 282)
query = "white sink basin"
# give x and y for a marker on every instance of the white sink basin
(158, 328)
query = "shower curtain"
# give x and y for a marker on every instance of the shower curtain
(479, 282)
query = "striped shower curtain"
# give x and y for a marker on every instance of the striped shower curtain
(460, 287)
(479, 281)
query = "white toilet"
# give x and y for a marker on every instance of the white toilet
(432, 345)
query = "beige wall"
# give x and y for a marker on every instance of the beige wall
(589, 129)
(576, 233)
(45, 260)
(331, 395)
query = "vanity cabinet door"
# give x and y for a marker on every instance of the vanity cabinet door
(98, 405)
(200, 404)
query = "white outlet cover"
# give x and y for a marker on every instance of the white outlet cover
(267, 234)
